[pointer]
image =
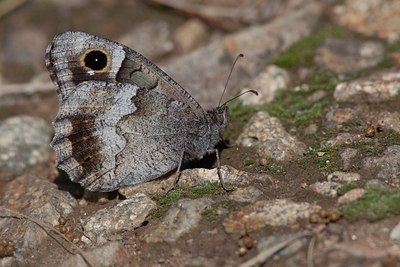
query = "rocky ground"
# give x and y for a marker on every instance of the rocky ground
(314, 166)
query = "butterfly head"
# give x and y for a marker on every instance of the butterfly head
(219, 116)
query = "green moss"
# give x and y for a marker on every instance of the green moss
(353, 122)
(203, 190)
(375, 204)
(285, 106)
(326, 161)
(293, 107)
(370, 151)
(276, 109)
(390, 139)
(275, 169)
(302, 162)
(306, 116)
(302, 52)
(240, 112)
(210, 214)
(386, 62)
(393, 47)
(384, 140)
(343, 189)
(166, 200)
(323, 80)
(248, 161)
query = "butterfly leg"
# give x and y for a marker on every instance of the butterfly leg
(221, 181)
(177, 173)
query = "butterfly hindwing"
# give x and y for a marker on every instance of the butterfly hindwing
(122, 120)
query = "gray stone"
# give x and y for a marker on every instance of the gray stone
(150, 38)
(234, 15)
(346, 138)
(351, 196)
(37, 198)
(267, 83)
(203, 72)
(109, 255)
(270, 241)
(344, 177)
(24, 141)
(362, 250)
(150, 188)
(126, 216)
(278, 212)
(390, 120)
(69, 4)
(337, 116)
(347, 155)
(230, 177)
(190, 34)
(267, 134)
(8, 261)
(326, 188)
(388, 165)
(305, 73)
(22, 50)
(334, 181)
(201, 262)
(316, 96)
(245, 194)
(181, 218)
(195, 177)
(377, 88)
(311, 129)
(370, 17)
(346, 56)
(376, 183)
(395, 233)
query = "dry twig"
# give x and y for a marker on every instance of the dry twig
(310, 252)
(48, 229)
(264, 255)
(26, 88)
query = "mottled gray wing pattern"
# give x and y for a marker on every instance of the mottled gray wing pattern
(122, 123)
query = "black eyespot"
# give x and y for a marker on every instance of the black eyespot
(96, 60)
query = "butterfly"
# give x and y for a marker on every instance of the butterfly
(122, 121)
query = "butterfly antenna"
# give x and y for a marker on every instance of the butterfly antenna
(229, 77)
(239, 95)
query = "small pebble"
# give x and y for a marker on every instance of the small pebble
(372, 129)
(314, 217)
(6, 248)
(248, 242)
(63, 229)
(323, 214)
(335, 215)
(62, 221)
(242, 251)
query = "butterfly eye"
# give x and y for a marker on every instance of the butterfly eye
(96, 60)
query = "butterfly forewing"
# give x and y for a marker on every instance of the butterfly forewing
(122, 120)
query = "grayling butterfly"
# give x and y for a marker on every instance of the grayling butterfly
(122, 120)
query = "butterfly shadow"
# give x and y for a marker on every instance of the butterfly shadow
(207, 162)
(63, 182)
(78, 192)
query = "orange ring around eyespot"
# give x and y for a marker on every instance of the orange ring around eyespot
(103, 70)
